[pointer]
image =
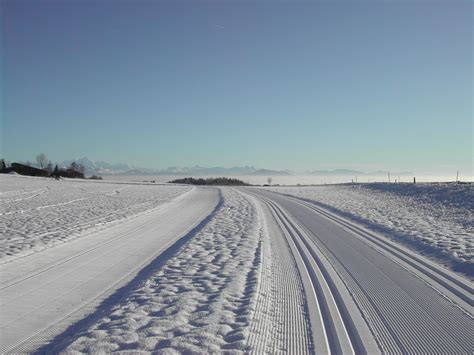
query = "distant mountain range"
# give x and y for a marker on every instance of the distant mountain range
(104, 168)
(344, 172)
(99, 167)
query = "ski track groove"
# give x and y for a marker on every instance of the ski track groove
(280, 303)
(389, 326)
(333, 329)
(460, 288)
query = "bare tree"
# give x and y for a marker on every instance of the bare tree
(269, 180)
(73, 166)
(42, 160)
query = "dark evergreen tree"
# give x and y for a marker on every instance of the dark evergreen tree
(56, 172)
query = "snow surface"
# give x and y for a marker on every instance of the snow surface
(227, 281)
(201, 300)
(37, 213)
(435, 218)
(46, 294)
(229, 285)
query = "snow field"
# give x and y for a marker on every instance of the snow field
(37, 213)
(437, 216)
(202, 300)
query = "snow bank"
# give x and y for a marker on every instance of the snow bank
(37, 213)
(202, 299)
(435, 219)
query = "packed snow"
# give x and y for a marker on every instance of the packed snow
(434, 218)
(37, 213)
(201, 300)
(234, 280)
(230, 284)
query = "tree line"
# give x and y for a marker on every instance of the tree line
(74, 170)
(221, 181)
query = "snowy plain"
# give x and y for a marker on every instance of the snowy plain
(233, 287)
(437, 219)
(38, 213)
(235, 283)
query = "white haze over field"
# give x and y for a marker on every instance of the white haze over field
(301, 179)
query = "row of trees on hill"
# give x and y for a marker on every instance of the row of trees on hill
(221, 181)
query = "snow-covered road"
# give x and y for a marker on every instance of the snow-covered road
(44, 293)
(367, 294)
(229, 270)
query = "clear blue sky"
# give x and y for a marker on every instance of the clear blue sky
(297, 85)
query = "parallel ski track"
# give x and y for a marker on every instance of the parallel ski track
(453, 288)
(282, 326)
(332, 327)
(10, 283)
(447, 283)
